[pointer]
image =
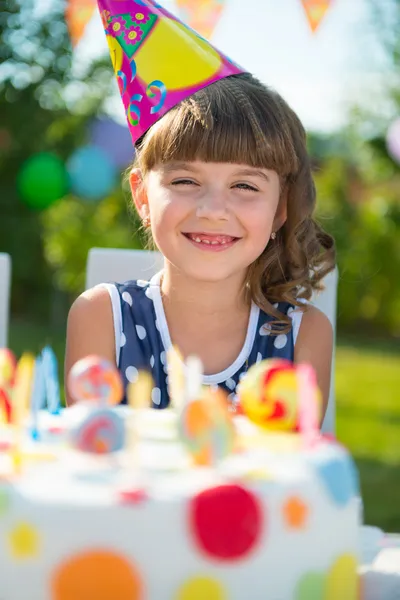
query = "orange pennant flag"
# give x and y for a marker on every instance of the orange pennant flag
(78, 14)
(201, 15)
(315, 11)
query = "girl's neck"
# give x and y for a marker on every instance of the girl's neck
(209, 319)
(208, 299)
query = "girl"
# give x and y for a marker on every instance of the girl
(224, 185)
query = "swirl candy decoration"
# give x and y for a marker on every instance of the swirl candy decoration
(268, 395)
(158, 61)
(95, 379)
(101, 432)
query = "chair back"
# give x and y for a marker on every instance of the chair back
(5, 287)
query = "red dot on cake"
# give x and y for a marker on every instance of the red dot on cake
(226, 521)
(97, 575)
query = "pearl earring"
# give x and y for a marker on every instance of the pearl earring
(273, 235)
(146, 222)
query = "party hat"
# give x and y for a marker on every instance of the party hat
(157, 59)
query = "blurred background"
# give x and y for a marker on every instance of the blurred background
(64, 148)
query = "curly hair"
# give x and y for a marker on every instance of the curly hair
(240, 120)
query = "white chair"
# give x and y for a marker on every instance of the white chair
(108, 264)
(105, 265)
(326, 301)
(5, 287)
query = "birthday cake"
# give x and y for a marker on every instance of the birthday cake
(189, 503)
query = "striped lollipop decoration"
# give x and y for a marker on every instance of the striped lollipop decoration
(97, 382)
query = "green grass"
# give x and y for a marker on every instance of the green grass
(368, 413)
(368, 423)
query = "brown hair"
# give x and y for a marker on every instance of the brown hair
(239, 120)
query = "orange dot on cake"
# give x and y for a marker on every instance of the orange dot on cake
(295, 512)
(100, 575)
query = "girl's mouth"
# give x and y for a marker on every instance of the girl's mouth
(211, 242)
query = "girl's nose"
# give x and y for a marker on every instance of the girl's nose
(213, 205)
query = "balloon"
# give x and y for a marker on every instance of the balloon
(201, 16)
(42, 180)
(315, 11)
(393, 140)
(78, 14)
(91, 172)
(114, 139)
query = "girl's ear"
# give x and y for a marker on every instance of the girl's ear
(139, 193)
(281, 213)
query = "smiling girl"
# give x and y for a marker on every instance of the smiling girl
(224, 184)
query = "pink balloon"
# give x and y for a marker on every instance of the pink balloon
(393, 140)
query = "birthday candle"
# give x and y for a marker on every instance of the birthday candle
(8, 365)
(194, 378)
(38, 395)
(22, 387)
(20, 402)
(139, 397)
(51, 382)
(176, 378)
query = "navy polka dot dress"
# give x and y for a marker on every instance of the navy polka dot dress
(142, 338)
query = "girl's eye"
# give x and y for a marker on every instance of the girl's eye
(246, 186)
(183, 182)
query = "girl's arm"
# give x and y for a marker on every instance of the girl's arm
(90, 330)
(314, 345)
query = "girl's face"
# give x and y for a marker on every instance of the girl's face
(211, 220)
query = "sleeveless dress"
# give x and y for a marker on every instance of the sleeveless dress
(142, 339)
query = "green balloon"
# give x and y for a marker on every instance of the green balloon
(42, 180)
(311, 587)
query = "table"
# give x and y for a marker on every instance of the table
(380, 573)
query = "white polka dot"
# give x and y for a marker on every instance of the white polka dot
(259, 357)
(140, 330)
(230, 383)
(280, 341)
(156, 396)
(157, 325)
(243, 374)
(132, 374)
(276, 305)
(162, 357)
(123, 340)
(149, 293)
(233, 399)
(166, 369)
(265, 329)
(290, 311)
(127, 297)
(142, 283)
(152, 361)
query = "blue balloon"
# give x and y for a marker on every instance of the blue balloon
(114, 139)
(92, 174)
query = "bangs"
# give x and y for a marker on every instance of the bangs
(236, 120)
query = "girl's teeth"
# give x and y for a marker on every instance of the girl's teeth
(209, 242)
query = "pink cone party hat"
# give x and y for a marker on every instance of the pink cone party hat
(157, 59)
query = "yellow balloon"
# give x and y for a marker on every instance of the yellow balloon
(176, 56)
